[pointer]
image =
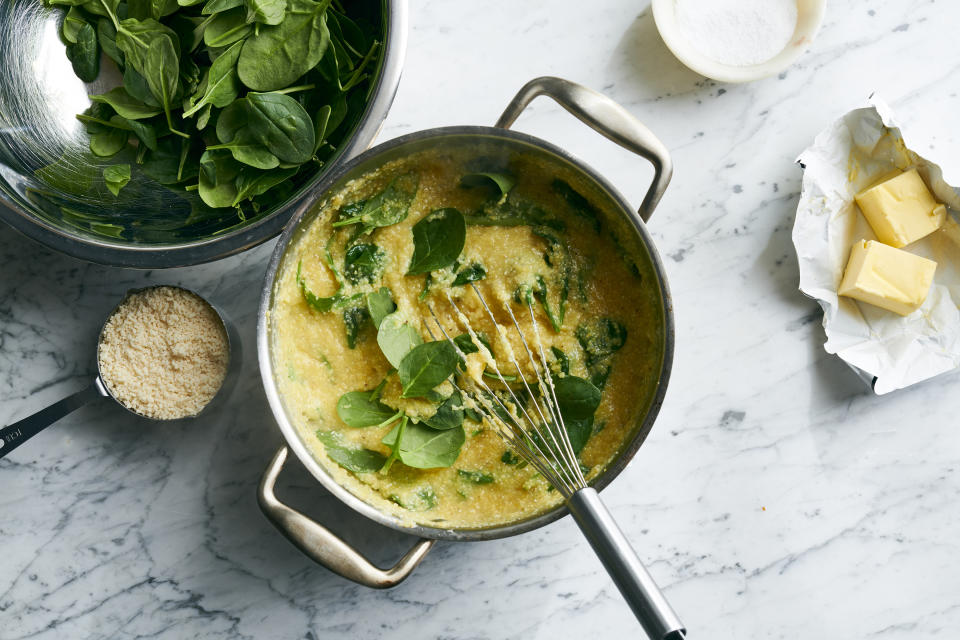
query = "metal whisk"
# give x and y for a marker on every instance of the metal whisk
(535, 430)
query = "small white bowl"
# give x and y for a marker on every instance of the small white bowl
(809, 17)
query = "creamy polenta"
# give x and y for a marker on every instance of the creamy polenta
(363, 368)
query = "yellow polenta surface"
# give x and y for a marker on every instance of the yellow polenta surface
(314, 366)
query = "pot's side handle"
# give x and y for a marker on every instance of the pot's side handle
(606, 117)
(322, 546)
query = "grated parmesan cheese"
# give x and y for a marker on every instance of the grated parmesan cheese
(163, 353)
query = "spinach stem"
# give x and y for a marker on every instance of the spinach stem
(300, 87)
(113, 18)
(356, 78)
(375, 394)
(200, 28)
(389, 420)
(395, 453)
(343, 223)
(113, 125)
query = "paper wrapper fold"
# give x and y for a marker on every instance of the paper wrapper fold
(855, 152)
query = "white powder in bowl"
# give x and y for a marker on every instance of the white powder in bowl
(737, 32)
(163, 353)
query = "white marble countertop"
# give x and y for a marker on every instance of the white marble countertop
(776, 497)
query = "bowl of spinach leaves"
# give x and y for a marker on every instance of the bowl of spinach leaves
(159, 133)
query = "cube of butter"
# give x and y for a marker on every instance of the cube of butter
(901, 210)
(892, 279)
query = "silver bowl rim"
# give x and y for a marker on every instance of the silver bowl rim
(316, 469)
(161, 256)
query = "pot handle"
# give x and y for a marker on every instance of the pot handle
(323, 546)
(606, 117)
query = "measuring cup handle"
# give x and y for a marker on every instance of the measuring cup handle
(323, 546)
(12, 436)
(606, 117)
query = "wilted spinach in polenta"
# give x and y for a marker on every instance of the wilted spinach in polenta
(395, 246)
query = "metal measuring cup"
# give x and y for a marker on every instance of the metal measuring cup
(14, 435)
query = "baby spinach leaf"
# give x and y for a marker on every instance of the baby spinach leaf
(576, 397)
(164, 163)
(279, 54)
(473, 273)
(136, 85)
(108, 142)
(426, 366)
(556, 312)
(475, 477)
(107, 39)
(363, 263)
(465, 343)
(449, 414)
(227, 27)
(116, 176)
(273, 122)
(134, 38)
(320, 126)
(360, 409)
(84, 54)
(252, 183)
(203, 118)
(502, 182)
(351, 210)
(161, 8)
(600, 339)
(219, 6)
(126, 105)
(313, 300)
(250, 153)
(396, 338)
(578, 400)
(222, 85)
(438, 240)
(266, 11)
(421, 447)
(388, 207)
(348, 31)
(350, 458)
(578, 203)
(578, 432)
(353, 319)
(380, 304)
(338, 113)
(163, 75)
(189, 30)
(142, 9)
(218, 174)
(73, 21)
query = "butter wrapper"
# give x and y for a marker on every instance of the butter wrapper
(889, 351)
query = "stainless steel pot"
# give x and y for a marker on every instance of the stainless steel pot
(39, 97)
(601, 114)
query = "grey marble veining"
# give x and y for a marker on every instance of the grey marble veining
(775, 498)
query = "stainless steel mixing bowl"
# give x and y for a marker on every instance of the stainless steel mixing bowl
(603, 115)
(151, 226)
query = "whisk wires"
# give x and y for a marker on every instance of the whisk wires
(534, 429)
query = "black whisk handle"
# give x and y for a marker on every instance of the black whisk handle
(621, 562)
